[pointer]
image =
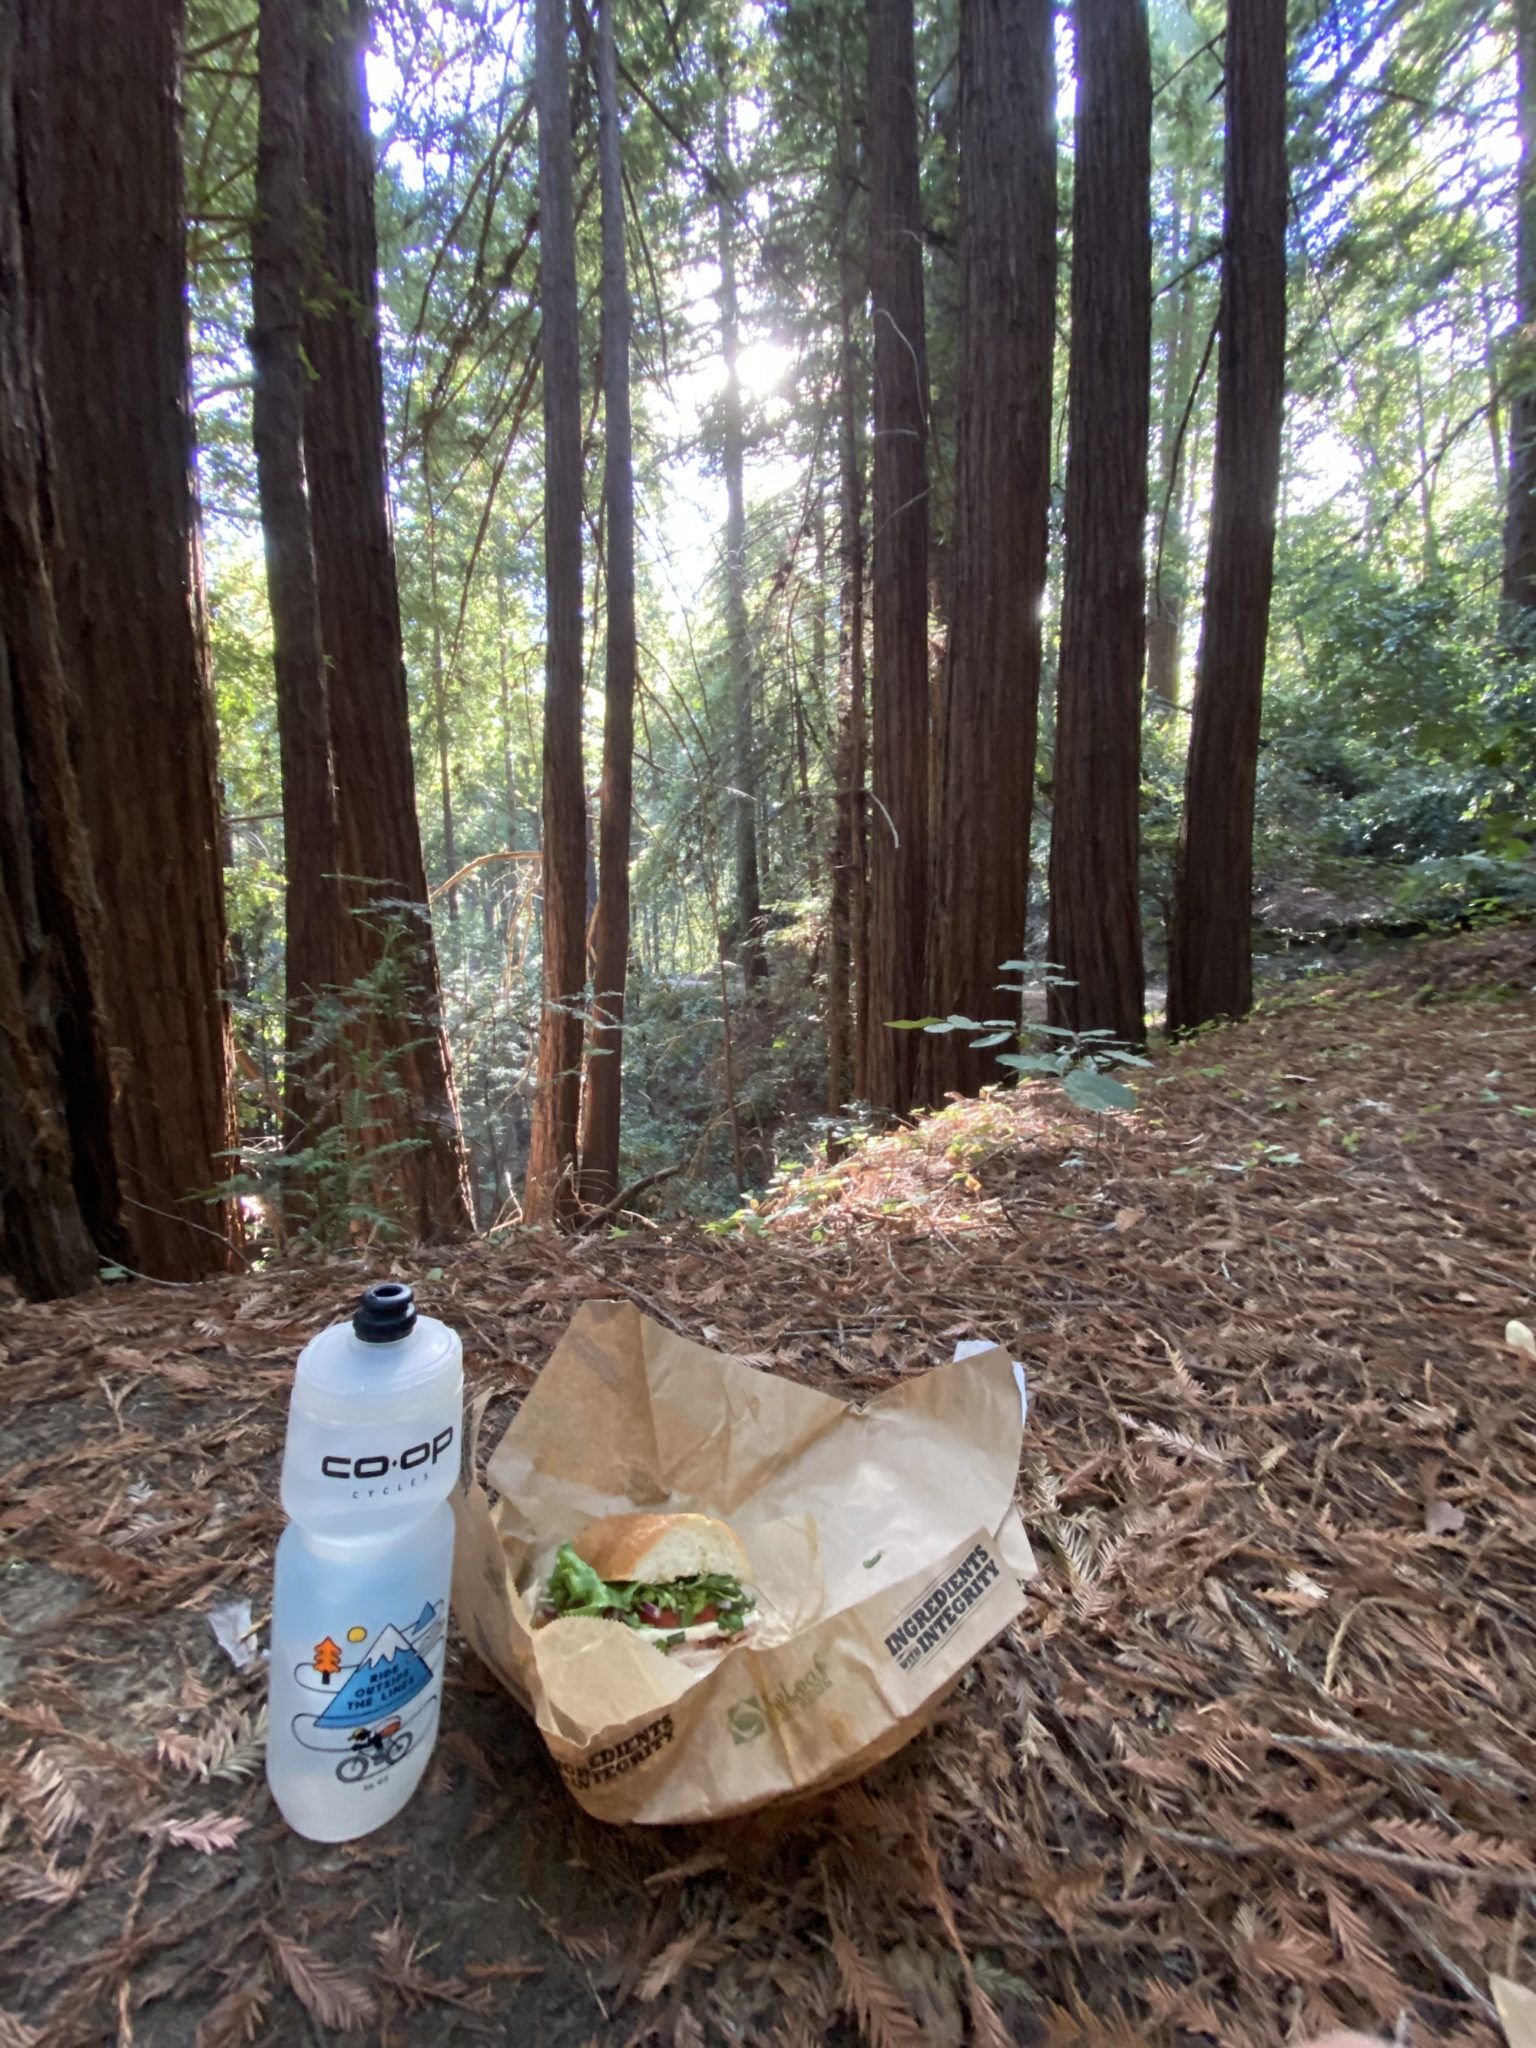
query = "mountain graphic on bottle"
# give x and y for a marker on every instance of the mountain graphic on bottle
(390, 1673)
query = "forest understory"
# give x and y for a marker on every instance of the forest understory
(1257, 1758)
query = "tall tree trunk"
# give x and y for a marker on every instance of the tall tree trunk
(1520, 502)
(504, 687)
(1210, 969)
(59, 1214)
(551, 1189)
(798, 794)
(380, 838)
(610, 944)
(818, 669)
(847, 1066)
(840, 930)
(106, 259)
(899, 694)
(748, 910)
(439, 682)
(313, 956)
(1096, 819)
(1002, 491)
(1165, 598)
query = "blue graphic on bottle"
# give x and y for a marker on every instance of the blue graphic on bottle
(371, 1703)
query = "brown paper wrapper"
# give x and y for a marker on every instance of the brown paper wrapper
(885, 1547)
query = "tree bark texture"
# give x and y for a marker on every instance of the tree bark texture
(848, 973)
(899, 703)
(1520, 500)
(1096, 776)
(1210, 972)
(106, 260)
(380, 838)
(1002, 492)
(748, 912)
(59, 1212)
(313, 955)
(551, 1190)
(610, 943)
(439, 684)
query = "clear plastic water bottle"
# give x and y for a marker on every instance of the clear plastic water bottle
(360, 1601)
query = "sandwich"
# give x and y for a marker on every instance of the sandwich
(677, 1580)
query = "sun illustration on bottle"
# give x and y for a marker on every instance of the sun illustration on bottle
(372, 1692)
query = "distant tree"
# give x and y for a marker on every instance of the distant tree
(380, 839)
(1520, 500)
(58, 1178)
(610, 940)
(1210, 968)
(551, 1189)
(747, 920)
(313, 957)
(899, 706)
(104, 236)
(814, 280)
(1002, 496)
(1095, 932)
(848, 968)
(439, 674)
(1179, 321)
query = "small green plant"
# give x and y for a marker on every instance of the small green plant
(337, 1183)
(1083, 1062)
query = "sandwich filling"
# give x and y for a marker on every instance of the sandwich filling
(702, 1608)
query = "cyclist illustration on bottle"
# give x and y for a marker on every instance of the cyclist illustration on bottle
(373, 1749)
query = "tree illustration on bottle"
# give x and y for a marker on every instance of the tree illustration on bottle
(327, 1660)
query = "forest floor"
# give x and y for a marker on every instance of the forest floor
(1259, 1756)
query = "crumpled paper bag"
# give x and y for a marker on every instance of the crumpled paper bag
(886, 1553)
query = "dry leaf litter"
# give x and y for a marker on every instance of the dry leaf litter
(1258, 1760)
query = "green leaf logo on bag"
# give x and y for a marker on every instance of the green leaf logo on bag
(750, 1717)
(746, 1721)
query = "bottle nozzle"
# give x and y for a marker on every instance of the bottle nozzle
(385, 1314)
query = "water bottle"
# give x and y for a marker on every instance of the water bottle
(360, 1599)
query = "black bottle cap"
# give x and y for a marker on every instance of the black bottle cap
(386, 1313)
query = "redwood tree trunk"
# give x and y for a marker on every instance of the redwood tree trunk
(802, 719)
(848, 1065)
(1520, 501)
(106, 260)
(439, 685)
(748, 917)
(1210, 969)
(899, 691)
(1096, 778)
(58, 1179)
(380, 838)
(610, 946)
(1002, 490)
(551, 1190)
(312, 956)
